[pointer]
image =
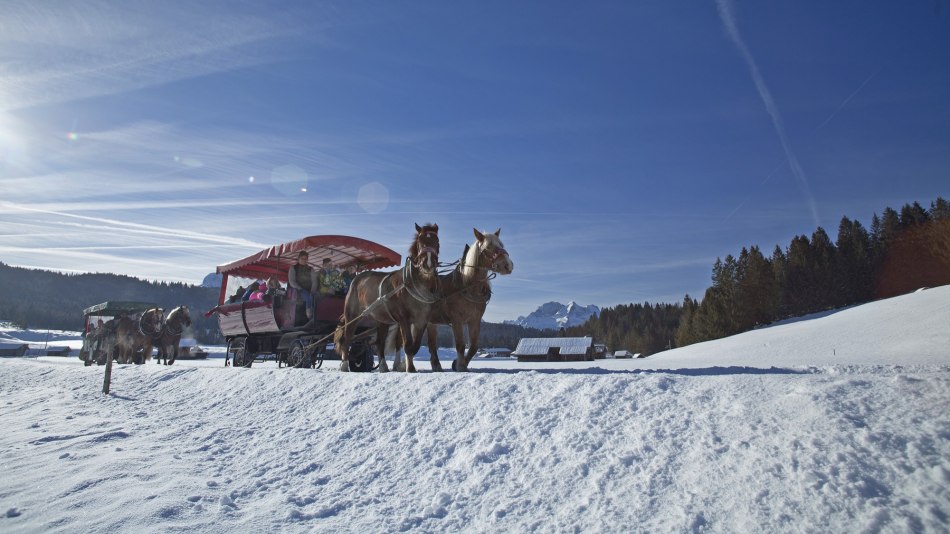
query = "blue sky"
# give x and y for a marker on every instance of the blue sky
(620, 146)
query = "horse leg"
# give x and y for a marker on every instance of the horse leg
(412, 346)
(382, 333)
(397, 349)
(344, 346)
(459, 334)
(473, 330)
(432, 331)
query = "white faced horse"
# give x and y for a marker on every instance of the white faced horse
(465, 295)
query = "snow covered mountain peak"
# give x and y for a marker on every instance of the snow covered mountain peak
(554, 315)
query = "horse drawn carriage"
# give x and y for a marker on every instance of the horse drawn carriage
(277, 327)
(130, 330)
(103, 328)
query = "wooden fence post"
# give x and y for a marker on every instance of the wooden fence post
(108, 378)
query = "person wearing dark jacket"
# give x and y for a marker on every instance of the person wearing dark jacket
(303, 278)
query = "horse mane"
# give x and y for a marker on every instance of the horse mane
(173, 314)
(470, 260)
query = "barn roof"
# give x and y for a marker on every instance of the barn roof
(540, 345)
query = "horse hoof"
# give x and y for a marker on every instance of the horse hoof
(454, 367)
(345, 366)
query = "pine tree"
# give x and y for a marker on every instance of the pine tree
(940, 209)
(780, 283)
(800, 285)
(823, 258)
(913, 215)
(685, 333)
(854, 271)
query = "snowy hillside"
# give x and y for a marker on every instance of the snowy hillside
(554, 315)
(834, 423)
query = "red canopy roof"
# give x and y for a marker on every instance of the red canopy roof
(342, 250)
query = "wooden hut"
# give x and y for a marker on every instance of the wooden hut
(555, 349)
(10, 350)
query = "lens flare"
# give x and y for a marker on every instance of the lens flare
(373, 198)
(289, 180)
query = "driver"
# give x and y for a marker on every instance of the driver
(303, 278)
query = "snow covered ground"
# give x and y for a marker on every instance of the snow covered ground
(834, 423)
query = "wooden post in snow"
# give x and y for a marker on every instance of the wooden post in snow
(108, 378)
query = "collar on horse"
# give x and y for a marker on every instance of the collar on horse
(154, 335)
(424, 295)
(477, 291)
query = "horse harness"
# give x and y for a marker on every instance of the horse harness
(410, 288)
(155, 335)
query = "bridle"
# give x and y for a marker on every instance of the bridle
(423, 249)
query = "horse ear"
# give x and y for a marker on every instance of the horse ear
(498, 232)
(436, 228)
(478, 235)
(418, 230)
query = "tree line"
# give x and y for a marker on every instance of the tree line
(901, 251)
(35, 298)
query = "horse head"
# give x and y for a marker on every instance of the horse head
(491, 253)
(152, 321)
(185, 315)
(424, 251)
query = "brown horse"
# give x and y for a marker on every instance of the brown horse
(402, 298)
(466, 292)
(132, 336)
(167, 342)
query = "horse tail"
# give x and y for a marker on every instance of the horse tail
(338, 334)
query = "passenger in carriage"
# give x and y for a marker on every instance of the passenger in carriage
(251, 289)
(329, 279)
(348, 277)
(303, 278)
(267, 291)
(258, 295)
(274, 287)
(236, 297)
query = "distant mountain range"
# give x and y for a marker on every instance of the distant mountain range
(212, 280)
(554, 315)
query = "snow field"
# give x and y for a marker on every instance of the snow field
(765, 431)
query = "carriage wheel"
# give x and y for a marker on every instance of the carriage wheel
(361, 358)
(237, 347)
(318, 355)
(298, 357)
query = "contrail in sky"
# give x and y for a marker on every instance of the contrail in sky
(846, 100)
(729, 21)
